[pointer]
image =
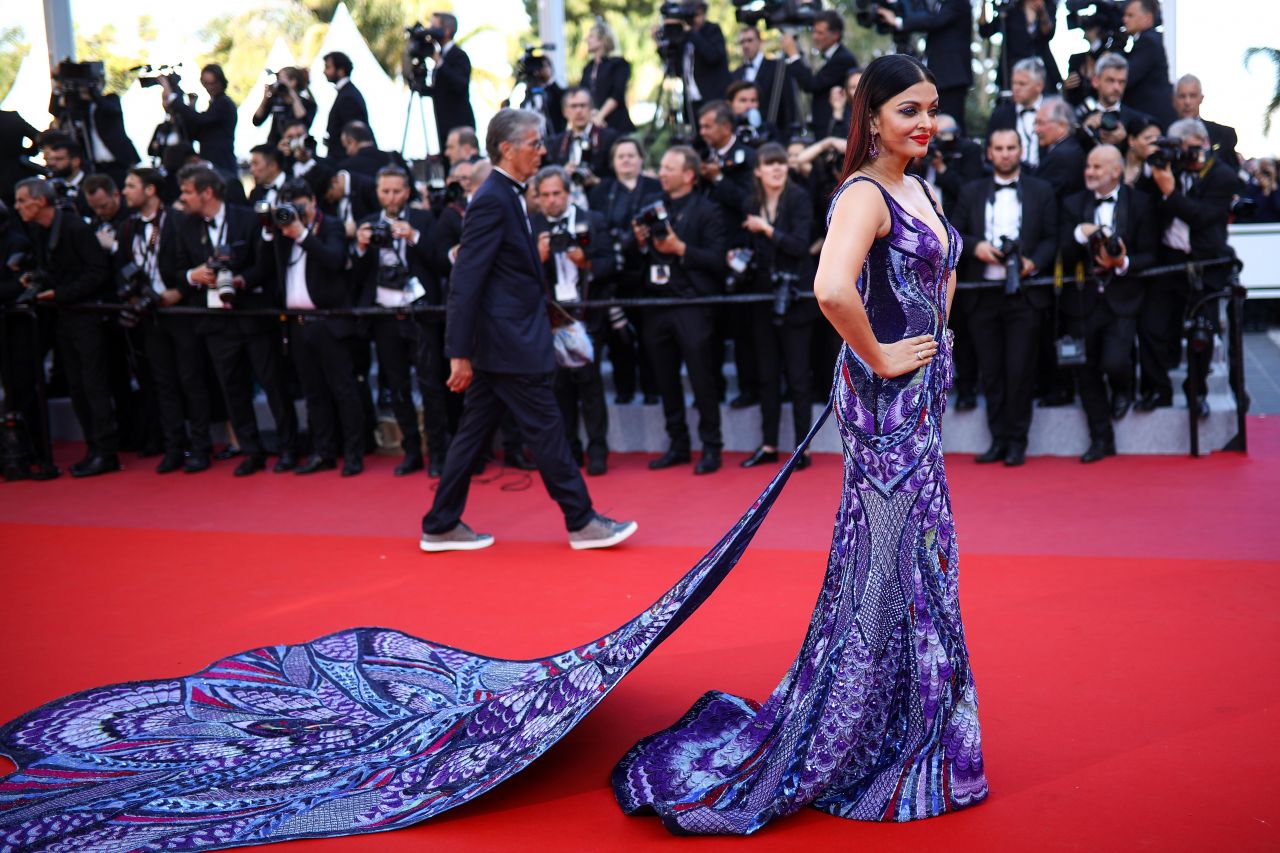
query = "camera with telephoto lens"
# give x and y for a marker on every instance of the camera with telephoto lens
(1012, 252)
(1104, 240)
(1168, 152)
(137, 294)
(35, 280)
(654, 217)
(784, 15)
(380, 235)
(220, 264)
(866, 14)
(746, 132)
(531, 67)
(785, 285)
(563, 239)
(274, 217)
(741, 268)
(676, 17)
(152, 75)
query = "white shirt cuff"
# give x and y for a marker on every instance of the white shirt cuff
(1079, 235)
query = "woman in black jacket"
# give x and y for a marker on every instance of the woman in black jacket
(607, 77)
(286, 101)
(777, 231)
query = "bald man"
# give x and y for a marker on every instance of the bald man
(1187, 98)
(1102, 303)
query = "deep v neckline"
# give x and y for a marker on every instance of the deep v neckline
(944, 240)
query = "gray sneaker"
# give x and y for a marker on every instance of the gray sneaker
(601, 532)
(460, 538)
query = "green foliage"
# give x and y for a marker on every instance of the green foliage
(241, 44)
(103, 46)
(13, 49)
(1274, 104)
(381, 22)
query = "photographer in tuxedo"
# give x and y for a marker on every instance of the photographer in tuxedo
(1009, 219)
(215, 265)
(285, 101)
(947, 25)
(348, 105)
(1148, 88)
(1104, 117)
(304, 258)
(1061, 159)
(266, 165)
(684, 245)
(396, 264)
(1108, 230)
(214, 129)
(1027, 26)
(574, 247)
(766, 74)
(1020, 113)
(1188, 95)
(583, 148)
(499, 343)
(70, 268)
(828, 30)
(108, 145)
(450, 88)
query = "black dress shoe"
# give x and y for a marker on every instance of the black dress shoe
(1153, 400)
(760, 457)
(98, 463)
(744, 401)
(597, 464)
(316, 463)
(804, 461)
(966, 402)
(195, 463)
(251, 465)
(352, 467)
(709, 462)
(42, 471)
(1099, 449)
(995, 453)
(228, 452)
(517, 458)
(286, 462)
(171, 462)
(1120, 406)
(1202, 407)
(652, 399)
(435, 465)
(624, 399)
(670, 459)
(410, 463)
(1016, 455)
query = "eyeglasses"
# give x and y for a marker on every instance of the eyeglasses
(540, 142)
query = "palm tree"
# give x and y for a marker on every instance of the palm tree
(1274, 55)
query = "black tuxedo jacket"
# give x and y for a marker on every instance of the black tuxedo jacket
(259, 193)
(1003, 117)
(766, 77)
(448, 235)
(1205, 207)
(733, 191)
(788, 249)
(1038, 236)
(420, 258)
(213, 130)
(1148, 86)
(602, 139)
(108, 120)
(191, 248)
(497, 314)
(1224, 143)
(599, 252)
(820, 84)
(947, 46)
(1062, 165)
(325, 254)
(710, 61)
(1020, 44)
(78, 266)
(368, 160)
(131, 226)
(1135, 225)
(348, 106)
(450, 93)
(610, 80)
(700, 223)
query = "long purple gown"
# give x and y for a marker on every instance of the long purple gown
(370, 729)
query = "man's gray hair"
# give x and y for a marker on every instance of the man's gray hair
(1058, 110)
(1185, 128)
(508, 126)
(37, 188)
(548, 172)
(1032, 65)
(1189, 79)
(1111, 61)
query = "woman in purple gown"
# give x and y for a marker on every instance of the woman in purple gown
(370, 729)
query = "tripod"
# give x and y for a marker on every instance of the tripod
(418, 97)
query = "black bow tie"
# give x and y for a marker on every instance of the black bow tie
(209, 223)
(1013, 185)
(1026, 110)
(1108, 200)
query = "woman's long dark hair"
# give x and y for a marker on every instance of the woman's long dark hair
(885, 77)
(769, 153)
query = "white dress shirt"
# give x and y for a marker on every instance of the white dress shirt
(216, 227)
(566, 289)
(1025, 123)
(1004, 219)
(752, 68)
(144, 255)
(1104, 216)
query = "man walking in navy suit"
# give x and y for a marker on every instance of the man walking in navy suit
(498, 339)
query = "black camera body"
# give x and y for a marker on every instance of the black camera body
(380, 235)
(136, 293)
(39, 280)
(1106, 16)
(1104, 240)
(530, 68)
(421, 43)
(1170, 153)
(747, 133)
(946, 146)
(563, 239)
(220, 263)
(1012, 251)
(654, 217)
(784, 15)
(275, 217)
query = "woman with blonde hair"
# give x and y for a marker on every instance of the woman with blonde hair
(606, 76)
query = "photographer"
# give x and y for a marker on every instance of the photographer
(284, 101)
(705, 57)
(776, 231)
(583, 148)
(1193, 208)
(68, 267)
(1107, 229)
(110, 150)
(606, 77)
(395, 265)
(1149, 90)
(766, 74)
(574, 248)
(266, 165)
(348, 105)
(109, 215)
(1009, 224)
(618, 199)
(1061, 157)
(65, 160)
(828, 30)
(1027, 27)
(684, 243)
(363, 156)
(1020, 113)
(748, 122)
(543, 94)
(350, 198)
(214, 129)
(948, 26)
(450, 88)
(304, 258)
(298, 148)
(951, 162)
(214, 265)
(1103, 119)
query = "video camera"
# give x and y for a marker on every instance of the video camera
(784, 15)
(1106, 16)
(676, 18)
(1169, 153)
(152, 75)
(421, 44)
(80, 78)
(654, 217)
(1012, 252)
(563, 239)
(530, 67)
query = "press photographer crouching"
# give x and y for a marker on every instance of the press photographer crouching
(1108, 231)
(396, 266)
(775, 237)
(575, 250)
(215, 266)
(683, 238)
(66, 265)
(1195, 203)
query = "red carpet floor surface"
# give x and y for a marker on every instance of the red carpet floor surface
(1122, 621)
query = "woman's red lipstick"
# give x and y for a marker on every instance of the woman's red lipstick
(923, 138)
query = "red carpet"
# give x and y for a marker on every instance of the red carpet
(1121, 619)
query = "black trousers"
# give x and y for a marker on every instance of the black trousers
(672, 335)
(964, 354)
(1006, 336)
(532, 402)
(324, 366)
(1108, 347)
(21, 368)
(1160, 325)
(951, 102)
(177, 360)
(82, 343)
(238, 356)
(741, 328)
(581, 390)
(408, 344)
(783, 351)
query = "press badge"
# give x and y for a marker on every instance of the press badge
(659, 274)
